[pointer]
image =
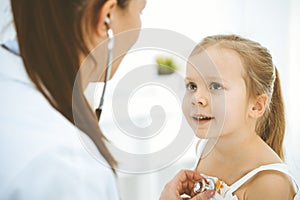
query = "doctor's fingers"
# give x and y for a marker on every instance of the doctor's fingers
(184, 175)
(171, 192)
(204, 195)
(184, 181)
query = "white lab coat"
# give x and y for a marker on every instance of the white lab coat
(41, 155)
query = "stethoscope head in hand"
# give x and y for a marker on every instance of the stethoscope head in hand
(203, 185)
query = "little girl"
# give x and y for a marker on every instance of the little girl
(234, 104)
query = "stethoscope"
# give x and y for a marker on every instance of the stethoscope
(12, 46)
(203, 185)
(110, 45)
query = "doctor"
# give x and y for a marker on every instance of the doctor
(41, 154)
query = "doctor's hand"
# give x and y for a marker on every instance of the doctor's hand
(183, 183)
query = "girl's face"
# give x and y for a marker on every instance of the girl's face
(215, 103)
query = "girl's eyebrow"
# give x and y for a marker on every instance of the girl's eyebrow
(216, 78)
(210, 78)
(188, 79)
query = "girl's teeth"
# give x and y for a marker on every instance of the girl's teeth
(203, 118)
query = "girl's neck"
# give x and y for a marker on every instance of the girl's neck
(235, 146)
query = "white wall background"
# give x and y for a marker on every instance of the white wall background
(273, 23)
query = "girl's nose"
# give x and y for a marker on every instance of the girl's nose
(200, 100)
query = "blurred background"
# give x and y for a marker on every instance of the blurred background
(273, 23)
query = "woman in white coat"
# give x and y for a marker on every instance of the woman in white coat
(41, 155)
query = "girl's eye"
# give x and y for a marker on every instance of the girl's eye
(215, 86)
(191, 87)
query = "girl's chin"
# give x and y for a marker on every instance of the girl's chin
(206, 135)
(202, 136)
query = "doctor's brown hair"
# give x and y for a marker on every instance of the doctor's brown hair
(51, 38)
(261, 77)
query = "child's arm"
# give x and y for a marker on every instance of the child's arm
(269, 185)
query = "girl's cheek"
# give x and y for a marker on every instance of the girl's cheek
(219, 106)
(186, 104)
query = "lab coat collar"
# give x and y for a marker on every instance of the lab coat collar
(11, 67)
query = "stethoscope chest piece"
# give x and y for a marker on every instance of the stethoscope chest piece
(203, 185)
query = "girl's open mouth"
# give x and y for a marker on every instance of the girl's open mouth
(202, 118)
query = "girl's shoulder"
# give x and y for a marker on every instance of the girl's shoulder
(268, 178)
(270, 184)
(272, 181)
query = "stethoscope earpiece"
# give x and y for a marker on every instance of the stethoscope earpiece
(107, 20)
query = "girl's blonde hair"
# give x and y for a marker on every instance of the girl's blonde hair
(261, 77)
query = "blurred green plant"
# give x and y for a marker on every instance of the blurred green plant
(165, 65)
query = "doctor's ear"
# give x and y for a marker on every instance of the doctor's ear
(258, 106)
(105, 16)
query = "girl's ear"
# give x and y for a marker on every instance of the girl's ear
(258, 106)
(106, 11)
